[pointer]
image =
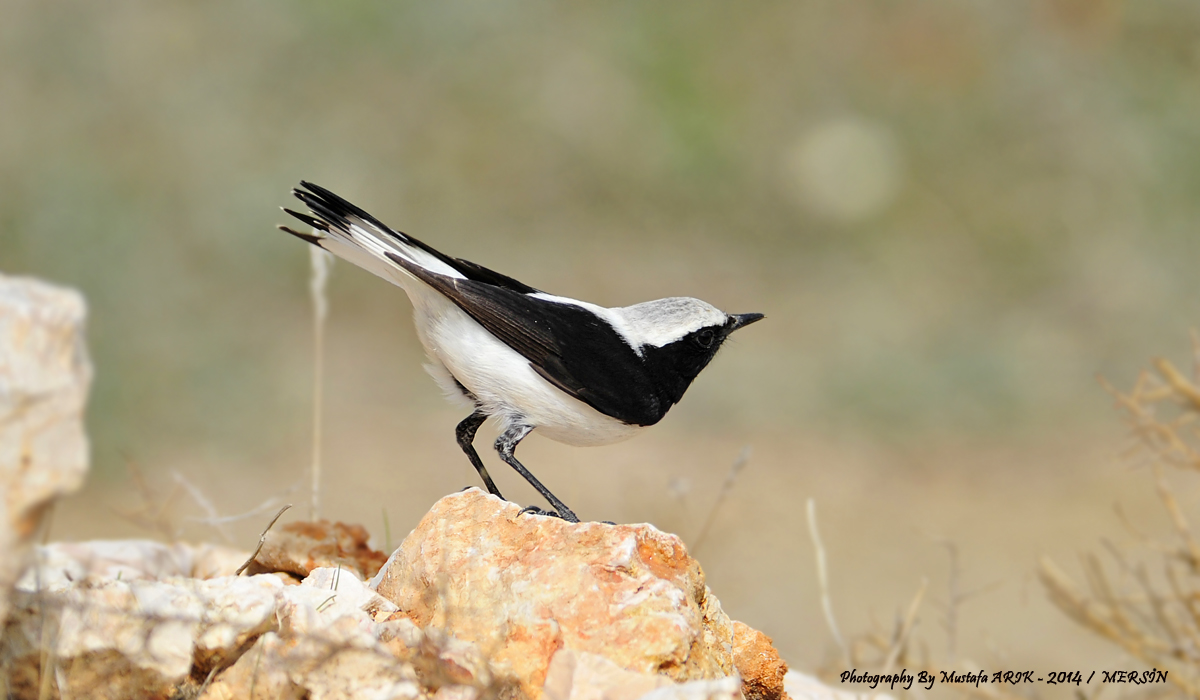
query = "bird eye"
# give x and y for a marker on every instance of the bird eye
(705, 338)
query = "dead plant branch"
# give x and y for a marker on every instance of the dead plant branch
(262, 539)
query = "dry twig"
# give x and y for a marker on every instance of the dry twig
(901, 638)
(262, 539)
(321, 263)
(726, 487)
(823, 580)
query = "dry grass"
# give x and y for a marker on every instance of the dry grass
(1150, 609)
(1146, 600)
(889, 650)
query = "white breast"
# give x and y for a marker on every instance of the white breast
(501, 379)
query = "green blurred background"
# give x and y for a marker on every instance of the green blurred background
(953, 214)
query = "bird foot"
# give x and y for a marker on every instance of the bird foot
(540, 511)
(564, 514)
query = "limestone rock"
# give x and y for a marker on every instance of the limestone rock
(230, 637)
(716, 689)
(801, 686)
(327, 647)
(445, 661)
(545, 609)
(255, 676)
(110, 638)
(45, 374)
(441, 660)
(525, 587)
(61, 563)
(457, 692)
(755, 657)
(299, 547)
(578, 675)
(347, 589)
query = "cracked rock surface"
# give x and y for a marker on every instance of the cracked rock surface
(527, 587)
(477, 603)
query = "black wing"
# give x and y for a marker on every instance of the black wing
(332, 210)
(569, 346)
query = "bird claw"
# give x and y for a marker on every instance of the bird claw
(540, 511)
(535, 510)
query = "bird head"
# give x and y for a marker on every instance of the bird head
(677, 337)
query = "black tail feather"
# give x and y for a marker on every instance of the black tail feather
(337, 212)
(330, 210)
(315, 240)
(338, 207)
(315, 223)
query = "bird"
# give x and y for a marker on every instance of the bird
(578, 373)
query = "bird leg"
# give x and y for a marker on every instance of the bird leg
(465, 432)
(506, 444)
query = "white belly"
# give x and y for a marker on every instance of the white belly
(502, 380)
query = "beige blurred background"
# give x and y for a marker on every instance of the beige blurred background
(953, 214)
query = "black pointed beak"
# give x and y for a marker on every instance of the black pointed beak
(737, 321)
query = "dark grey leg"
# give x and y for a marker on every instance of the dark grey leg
(465, 432)
(506, 444)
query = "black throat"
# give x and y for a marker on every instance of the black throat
(673, 367)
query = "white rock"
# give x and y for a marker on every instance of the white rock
(61, 563)
(322, 651)
(45, 374)
(114, 631)
(346, 588)
(578, 675)
(326, 648)
(255, 676)
(159, 625)
(457, 692)
(728, 688)
(801, 686)
(140, 637)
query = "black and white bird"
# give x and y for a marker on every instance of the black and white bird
(579, 373)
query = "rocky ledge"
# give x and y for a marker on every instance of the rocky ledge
(478, 601)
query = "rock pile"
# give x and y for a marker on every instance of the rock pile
(478, 601)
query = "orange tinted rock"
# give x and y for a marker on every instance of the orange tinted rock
(758, 663)
(525, 586)
(298, 548)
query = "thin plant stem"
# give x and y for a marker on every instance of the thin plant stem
(321, 264)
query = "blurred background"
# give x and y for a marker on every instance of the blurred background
(953, 214)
